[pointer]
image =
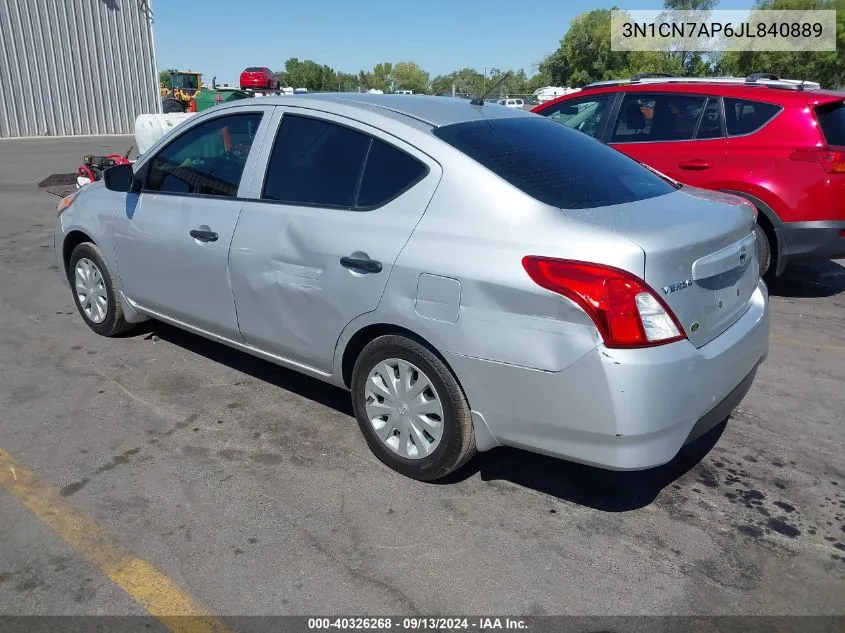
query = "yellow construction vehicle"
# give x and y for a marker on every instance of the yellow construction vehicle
(184, 87)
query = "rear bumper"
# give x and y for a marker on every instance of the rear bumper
(813, 240)
(620, 409)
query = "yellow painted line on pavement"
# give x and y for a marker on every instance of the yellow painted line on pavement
(152, 589)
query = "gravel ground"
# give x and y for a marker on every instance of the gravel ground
(251, 488)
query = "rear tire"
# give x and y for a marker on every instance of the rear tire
(426, 431)
(764, 252)
(95, 291)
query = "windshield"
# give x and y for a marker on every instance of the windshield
(554, 164)
(185, 82)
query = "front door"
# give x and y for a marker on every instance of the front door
(677, 134)
(172, 240)
(337, 204)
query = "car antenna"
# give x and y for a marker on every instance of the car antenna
(126, 155)
(479, 101)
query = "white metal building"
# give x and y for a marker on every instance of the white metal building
(75, 66)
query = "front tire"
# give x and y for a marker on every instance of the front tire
(95, 291)
(411, 409)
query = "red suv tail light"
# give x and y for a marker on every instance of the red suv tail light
(625, 310)
(832, 160)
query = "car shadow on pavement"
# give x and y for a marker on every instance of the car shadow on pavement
(286, 379)
(810, 280)
(605, 490)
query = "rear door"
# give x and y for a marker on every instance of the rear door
(680, 135)
(314, 250)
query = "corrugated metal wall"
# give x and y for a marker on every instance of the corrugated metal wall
(75, 66)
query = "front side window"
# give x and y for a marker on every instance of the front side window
(208, 159)
(583, 115)
(657, 117)
(744, 117)
(553, 164)
(319, 163)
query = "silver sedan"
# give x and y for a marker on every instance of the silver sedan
(475, 275)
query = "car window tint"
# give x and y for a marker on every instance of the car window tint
(388, 172)
(583, 115)
(554, 164)
(832, 121)
(711, 122)
(657, 117)
(315, 162)
(743, 116)
(208, 159)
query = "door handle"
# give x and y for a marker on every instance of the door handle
(204, 236)
(696, 164)
(361, 265)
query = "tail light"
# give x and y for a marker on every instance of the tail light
(832, 160)
(625, 310)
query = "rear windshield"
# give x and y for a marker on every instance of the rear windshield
(832, 121)
(253, 69)
(554, 164)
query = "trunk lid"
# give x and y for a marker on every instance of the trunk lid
(700, 254)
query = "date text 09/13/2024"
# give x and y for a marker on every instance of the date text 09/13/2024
(418, 623)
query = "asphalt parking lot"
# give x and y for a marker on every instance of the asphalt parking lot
(251, 489)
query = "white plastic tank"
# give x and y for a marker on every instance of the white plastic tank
(149, 128)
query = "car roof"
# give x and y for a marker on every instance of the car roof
(431, 110)
(769, 92)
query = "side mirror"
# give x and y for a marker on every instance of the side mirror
(120, 178)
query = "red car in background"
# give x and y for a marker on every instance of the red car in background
(259, 78)
(780, 144)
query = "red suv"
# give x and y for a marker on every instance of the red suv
(259, 78)
(778, 143)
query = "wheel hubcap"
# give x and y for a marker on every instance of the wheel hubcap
(404, 408)
(91, 290)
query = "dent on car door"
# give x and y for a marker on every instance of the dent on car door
(172, 240)
(680, 135)
(337, 205)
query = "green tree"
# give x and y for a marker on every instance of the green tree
(466, 81)
(409, 76)
(584, 54)
(688, 63)
(515, 84)
(827, 68)
(309, 74)
(379, 78)
(347, 82)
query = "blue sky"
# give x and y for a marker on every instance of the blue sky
(219, 37)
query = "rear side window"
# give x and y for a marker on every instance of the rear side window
(744, 117)
(553, 164)
(315, 162)
(832, 121)
(657, 117)
(388, 173)
(319, 163)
